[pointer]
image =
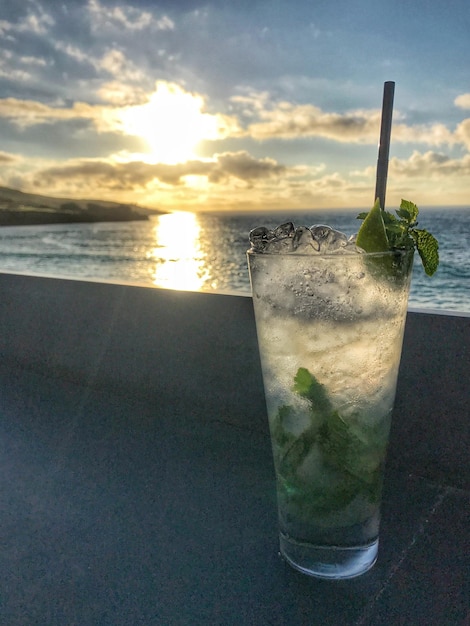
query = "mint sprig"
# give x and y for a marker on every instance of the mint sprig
(402, 233)
(428, 249)
(354, 454)
(308, 387)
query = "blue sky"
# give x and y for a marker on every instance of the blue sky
(234, 105)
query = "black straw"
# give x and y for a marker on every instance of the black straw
(384, 145)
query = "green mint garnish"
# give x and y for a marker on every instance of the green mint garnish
(356, 454)
(308, 387)
(381, 231)
(427, 247)
(360, 454)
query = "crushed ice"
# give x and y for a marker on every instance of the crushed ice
(287, 239)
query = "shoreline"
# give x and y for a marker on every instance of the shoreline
(43, 217)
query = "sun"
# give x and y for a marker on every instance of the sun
(172, 123)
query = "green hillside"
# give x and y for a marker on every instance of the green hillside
(18, 208)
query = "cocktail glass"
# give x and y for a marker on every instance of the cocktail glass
(330, 332)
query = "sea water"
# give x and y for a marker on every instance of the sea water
(206, 251)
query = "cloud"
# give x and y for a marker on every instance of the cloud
(14, 74)
(429, 134)
(68, 49)
(35, 21)
(17, 67)
(8, 159)
(429, 165)
(287, 120)
(168, 123)
(134, 174)
(73, 52)
(245, 167)
(111, 62)
(290, 121)
(118, 65)
(463, 101)
(24, 113)
(125, 17)
(231, 180)
(462, 132)
(251, 103)
(121, 94)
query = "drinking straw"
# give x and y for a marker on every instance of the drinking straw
(384, 145)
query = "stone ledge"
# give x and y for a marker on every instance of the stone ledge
(200, 350)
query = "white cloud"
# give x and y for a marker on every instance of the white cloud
(37, 22)
(14, 74)
(463, 101)
(251, 103)
(429, 165)
(462, 133)
(7, 158)
(430, 134)
(286, 120)
(121, 94)
(72, 51)
(30, 60)
(125, 17)
(26, 113)
(129, 175)
(118, 65)
(289, 121)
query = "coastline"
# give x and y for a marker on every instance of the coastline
(38, 217)
(18, 208)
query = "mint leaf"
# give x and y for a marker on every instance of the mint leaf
(397, 231)
(427, 246)
(311, 501)
(354, 454)
(278, 432)
(308, 387)
(296, 451)
(402, 234)
(409, 211)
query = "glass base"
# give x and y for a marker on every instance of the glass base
(328, 561)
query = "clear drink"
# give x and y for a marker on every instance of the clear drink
(330, 329)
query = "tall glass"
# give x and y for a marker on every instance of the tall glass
(330, 332)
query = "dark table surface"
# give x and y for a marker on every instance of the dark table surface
(116, 510)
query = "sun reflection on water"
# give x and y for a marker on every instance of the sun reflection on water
(179, 261)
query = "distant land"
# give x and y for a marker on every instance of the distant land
(18, 208)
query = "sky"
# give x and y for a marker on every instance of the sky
(221, 105)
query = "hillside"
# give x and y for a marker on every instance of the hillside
(18, 208)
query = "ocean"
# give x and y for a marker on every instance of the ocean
(206, 251)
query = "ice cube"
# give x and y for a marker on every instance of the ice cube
(275, 241)
(282, 241)
(304, 242)
(327, 238)
(285, 239)
(284, 230)
(351, 246)
(260, 238)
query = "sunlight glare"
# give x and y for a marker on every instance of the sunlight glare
(179, 263)
(171, 122)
